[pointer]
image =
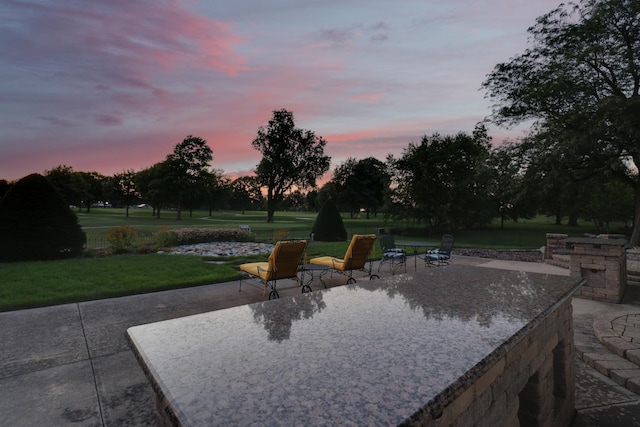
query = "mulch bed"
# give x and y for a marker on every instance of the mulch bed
(507, 255)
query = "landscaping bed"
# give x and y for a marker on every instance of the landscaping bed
(532, 255)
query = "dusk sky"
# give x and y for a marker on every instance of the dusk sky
(114, 85)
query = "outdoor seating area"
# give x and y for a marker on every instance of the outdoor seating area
(355, 258)
(288, 260)
(283, 263)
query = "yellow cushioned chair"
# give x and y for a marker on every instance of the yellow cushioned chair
(354, 259)
(283, 263)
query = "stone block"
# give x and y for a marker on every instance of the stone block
(622, 376)
(499, 411)
(606, 366)
(514, 388)
(633, 356)
(593, 266)
(514, 355)
(476, 411)
(618, 345)
(550, 343)
(633, 384)
(461, 403)
(592, 359)
(489, 377)
(631, 333)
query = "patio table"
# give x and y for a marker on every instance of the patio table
(311, 269)
(416, 248)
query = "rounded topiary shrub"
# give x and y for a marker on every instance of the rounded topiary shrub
(329, 226)
(37, 224)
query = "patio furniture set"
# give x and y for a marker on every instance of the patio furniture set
(286, 261)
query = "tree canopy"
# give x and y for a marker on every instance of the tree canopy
(70, 184)
(443, 180)
(361, 184)
(290, 157)
(579, 83)
(121, 189)
(187, 171)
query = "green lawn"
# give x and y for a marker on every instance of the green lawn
(33, 284)
(36, 284)
(523, 234)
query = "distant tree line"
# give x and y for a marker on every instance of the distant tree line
(444, 182)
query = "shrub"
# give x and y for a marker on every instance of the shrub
(163, 238)
(122, 239)
(280, 235)
(328, 226)
(37, 224)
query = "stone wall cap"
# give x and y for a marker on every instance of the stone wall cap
(596, 241)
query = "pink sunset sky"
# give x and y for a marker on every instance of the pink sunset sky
(114, 85)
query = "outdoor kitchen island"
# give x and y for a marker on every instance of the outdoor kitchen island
(451, 345)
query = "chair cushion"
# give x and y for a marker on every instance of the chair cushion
(437, 257)
(259, 269)
(394, 255)
(328, 261)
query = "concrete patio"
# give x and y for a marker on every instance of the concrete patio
(71, 365)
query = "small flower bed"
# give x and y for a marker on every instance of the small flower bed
(125, 239)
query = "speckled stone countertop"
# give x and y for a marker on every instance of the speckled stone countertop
(373, 353)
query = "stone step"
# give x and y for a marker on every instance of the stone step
(618, 357)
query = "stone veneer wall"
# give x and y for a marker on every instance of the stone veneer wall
(603, 263)
(556, 254)
(555, 242)
(533, 384)
(633, 267)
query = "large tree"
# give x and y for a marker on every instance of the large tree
(361, 184)
(290, 157)
(121, 190)
(579, 83)
(188, 171)
(246, 193)
(155, 186)
(69, 183)
(443, 181)
(95, 188)
(507, 185)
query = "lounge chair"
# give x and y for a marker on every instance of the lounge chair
(442, 255)
(283, 263)
(354, 259)
(392, 255)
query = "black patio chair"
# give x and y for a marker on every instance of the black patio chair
(393, 256)
(442, 255)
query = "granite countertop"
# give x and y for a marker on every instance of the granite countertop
(371, 353)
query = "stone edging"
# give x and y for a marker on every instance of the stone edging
(621, 359)
(607, 330)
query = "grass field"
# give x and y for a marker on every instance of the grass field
(35, 284)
